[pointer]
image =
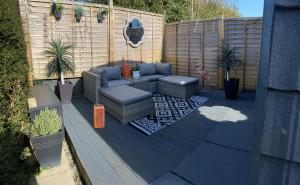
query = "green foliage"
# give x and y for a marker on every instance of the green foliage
(56, 7)
(135, 68)
(105, 11)
(177, 10)
(60, 58)
(79, 10)
(25, 154)
(47, 122)
(13, 95)
(227, 60)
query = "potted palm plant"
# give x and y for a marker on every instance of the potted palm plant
(46, 137)
(79, 11)
(60, 64)
(56, 9)
(102, 15)
(228, 61)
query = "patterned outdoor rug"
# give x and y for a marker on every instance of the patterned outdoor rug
(168, 110)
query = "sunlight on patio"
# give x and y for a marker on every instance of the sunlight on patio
(222, 114)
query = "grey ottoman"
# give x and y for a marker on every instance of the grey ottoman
(126, 103)
(178, 86)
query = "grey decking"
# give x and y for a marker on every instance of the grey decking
(120, 154)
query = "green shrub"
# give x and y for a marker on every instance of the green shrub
(13, 95)
(47, 122)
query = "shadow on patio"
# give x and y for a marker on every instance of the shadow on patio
(211, 145)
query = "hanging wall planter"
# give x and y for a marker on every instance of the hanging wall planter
(79, 11)
(56, 10)
(102, 15)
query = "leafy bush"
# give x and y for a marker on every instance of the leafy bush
(177, 10)
(13, 95)
(47, 122)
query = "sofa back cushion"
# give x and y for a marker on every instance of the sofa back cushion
(163, 69)
(103, 75)
(147, 69)
(113, 73)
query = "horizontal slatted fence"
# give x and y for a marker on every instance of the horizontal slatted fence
(90, 39)
(189, 43)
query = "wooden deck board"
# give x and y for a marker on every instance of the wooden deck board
(112, 172)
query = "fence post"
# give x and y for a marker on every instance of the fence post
(203, 53)
(245, 55)
(176, 62)
(189, 49)
(221, 39)
(111, 33)
(91, 15)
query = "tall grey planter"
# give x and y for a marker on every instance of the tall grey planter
(65, 92)
(48, 149)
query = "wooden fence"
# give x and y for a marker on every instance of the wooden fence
(93, 43)
(189, 43)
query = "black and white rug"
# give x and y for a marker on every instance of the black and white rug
(168, 110)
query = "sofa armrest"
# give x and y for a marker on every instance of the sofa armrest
(91, 84)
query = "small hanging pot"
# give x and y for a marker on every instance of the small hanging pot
(57, 15)
(101, 17)
(78, 17)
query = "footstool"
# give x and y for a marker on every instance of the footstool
(178, 86)
(126, 103)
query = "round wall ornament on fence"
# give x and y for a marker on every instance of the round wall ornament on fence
(134, 32)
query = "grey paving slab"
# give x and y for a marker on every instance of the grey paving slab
(170, 179)
(215, 165)
(238, 136)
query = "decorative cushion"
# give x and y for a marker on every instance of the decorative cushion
(113, 73)
(152, 78)
(163, 69)
(113, 83)
(124, 94)
(179, 80)
(103, 75)
(147, 69)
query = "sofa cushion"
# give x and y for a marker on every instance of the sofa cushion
(179, 80)
(113, 73)
(163, 69)
(152, 78)
(113, 83)
(147, 69)
(103, 75)
(125, 95)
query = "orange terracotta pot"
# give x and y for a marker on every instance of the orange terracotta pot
(126, 71)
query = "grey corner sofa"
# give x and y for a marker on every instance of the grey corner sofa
(125, 102)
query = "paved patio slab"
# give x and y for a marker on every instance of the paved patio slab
(211, 164)
(238, 136)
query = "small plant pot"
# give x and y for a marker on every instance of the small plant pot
(101, 17)
(136, 75)
(231, 88)
(48, 149)
(57, 15)
(65, 92)
(78, 17)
